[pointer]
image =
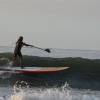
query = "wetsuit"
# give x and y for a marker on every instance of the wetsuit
(17, 51)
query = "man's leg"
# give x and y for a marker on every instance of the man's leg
(14, 59)
(21, 60)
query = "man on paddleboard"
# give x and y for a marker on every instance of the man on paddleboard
(17, 51)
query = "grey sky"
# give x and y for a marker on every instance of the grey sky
(69, 24)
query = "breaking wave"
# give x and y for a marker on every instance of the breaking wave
(61, 93)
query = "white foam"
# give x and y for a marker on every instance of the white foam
(63, 93)
(54, 94)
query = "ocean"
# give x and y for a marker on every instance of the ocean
(65, 85)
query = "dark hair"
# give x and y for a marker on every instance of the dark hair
(20, 39)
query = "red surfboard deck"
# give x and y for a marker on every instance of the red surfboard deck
(34, 70)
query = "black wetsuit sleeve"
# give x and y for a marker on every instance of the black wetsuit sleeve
(27, 44)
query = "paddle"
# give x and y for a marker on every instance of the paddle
(47, 50)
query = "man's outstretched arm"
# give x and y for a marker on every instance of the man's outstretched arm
(28, 45)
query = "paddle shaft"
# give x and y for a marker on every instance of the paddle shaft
(47, 50)
(38, 48)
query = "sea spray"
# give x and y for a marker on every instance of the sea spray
(53, 94)
(20, 86)
(39, 94)
(61, 93)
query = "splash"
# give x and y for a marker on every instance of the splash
(20, 86)
(62, 93)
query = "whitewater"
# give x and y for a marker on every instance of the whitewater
(62, 93)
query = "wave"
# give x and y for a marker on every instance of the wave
(82, 71)
(62, 93)
(54, 95)
(6, 60)
(77, 81)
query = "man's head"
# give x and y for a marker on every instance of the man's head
(21, 38)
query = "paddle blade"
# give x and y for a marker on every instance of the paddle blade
(48, 50)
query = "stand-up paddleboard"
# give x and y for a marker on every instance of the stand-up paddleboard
(34, 70)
